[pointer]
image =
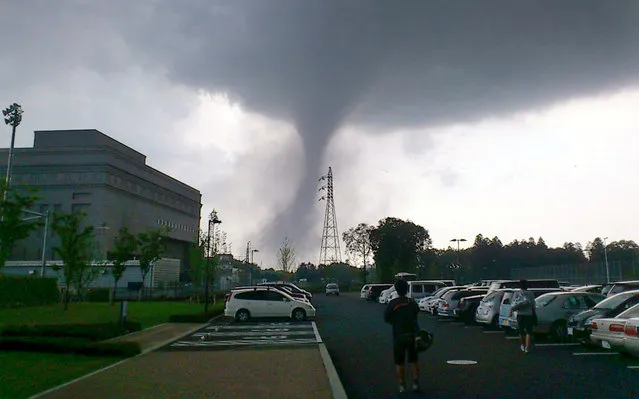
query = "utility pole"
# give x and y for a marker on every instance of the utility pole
(606, 260)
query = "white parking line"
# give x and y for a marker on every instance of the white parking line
(318, 338)
(633, 367)
(595, 353)
(566, 344)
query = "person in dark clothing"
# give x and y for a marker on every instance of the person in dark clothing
(402, 314)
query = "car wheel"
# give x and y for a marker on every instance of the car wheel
(242, 315)
(558, 331)
(337, 294)
(299, 314)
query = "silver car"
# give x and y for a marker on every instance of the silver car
(554, 309)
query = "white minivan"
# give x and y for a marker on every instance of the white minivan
(422, 288)
(253, 302)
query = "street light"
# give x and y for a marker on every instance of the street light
(213, 220)
(13, 117)
(606, 260)
(252, 252)
(458, 240)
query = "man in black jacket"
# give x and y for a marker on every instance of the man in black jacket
(402, 314)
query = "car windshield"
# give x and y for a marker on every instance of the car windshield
(331, 286)
(544, 300)
(613, 301)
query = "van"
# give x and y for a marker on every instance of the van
(422, 288)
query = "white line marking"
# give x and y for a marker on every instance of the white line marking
(595, 353)
(512, 337)
(633, 367)
(317, 334)
(567, 344)
(493, 332)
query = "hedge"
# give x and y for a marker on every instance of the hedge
(92, 332)
(98, 295)
(28, 291)
(69, 345)
(216, 310)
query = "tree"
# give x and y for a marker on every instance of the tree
(286, 256)
(12, 226)
(358, 243)
(396, 244)
(75, 250)
(197, 261)
(124, 247)
(151, 247)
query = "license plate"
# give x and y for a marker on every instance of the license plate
(570, 332)
(605, 344)
(506, 322)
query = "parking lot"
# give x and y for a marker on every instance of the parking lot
(466, 361)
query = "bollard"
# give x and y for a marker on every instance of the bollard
(123, 309)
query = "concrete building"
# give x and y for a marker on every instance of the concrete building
(88, 171)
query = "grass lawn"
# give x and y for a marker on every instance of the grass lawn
(25, 374)
(146, 313)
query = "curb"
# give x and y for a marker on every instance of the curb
(333, 378)
(144, 352)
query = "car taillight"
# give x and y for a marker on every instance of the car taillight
(616, 327)
(445, 304)
(631, 330)
(228, 297)
(593, 325)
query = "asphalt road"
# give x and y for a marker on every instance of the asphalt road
(359, 343)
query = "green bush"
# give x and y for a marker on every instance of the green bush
(69, 345)
(98, 295)
(92, 332)
(28, 291)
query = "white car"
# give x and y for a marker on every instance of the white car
(363, 293)
(332, 289)
(609, 333)
(255, 302)
(631, 337)
(384, 295)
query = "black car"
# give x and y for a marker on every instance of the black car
(376, 290)
(579, 324)
(465, 310)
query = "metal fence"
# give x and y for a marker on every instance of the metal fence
(583, 273)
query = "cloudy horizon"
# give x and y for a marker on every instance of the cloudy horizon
(501, 119)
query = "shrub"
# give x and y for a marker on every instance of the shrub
(215, 310)
(28, 291)
(92, 332)
(69, 345)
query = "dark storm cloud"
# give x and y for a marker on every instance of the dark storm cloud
(320, 64)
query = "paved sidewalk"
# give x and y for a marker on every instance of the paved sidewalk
(294, 371)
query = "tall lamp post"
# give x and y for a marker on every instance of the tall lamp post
(213, 220)
(606, 260)
(458, 240)
(13, 117)
(252, 263)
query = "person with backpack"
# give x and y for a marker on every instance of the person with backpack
(524, 305)
(402, 313)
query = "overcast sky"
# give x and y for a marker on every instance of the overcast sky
(504, 118)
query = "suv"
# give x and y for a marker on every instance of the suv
(253, 302)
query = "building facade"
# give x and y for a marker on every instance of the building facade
(88, 171)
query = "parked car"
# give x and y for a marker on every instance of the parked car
(609, 332)
(622, 286)
(554, 309)
(298, 296)
(451, 299)
(532, 284)
(384, 296)
(423, 302)
(488, 309)
(422, 288)
(265, 301)
(507, 318)
(467, 306)
(292, 287)
(332, 289)
(376, 290)
(594, 288)
(433, 303)
(363, 293)
(579, 324)
(631, 337)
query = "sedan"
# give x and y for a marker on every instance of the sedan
(579, 324)
(609, 333)
(554, 309)
(631, 337)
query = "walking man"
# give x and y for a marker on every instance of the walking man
(402, 313)
(524, 305)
